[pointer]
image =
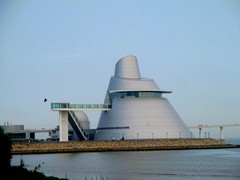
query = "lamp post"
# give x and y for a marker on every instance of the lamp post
(123, 136)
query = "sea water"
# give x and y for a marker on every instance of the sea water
(219, 164)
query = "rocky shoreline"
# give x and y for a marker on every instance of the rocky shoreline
(126, 145)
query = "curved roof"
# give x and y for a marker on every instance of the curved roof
(127, 67)
(127, 78)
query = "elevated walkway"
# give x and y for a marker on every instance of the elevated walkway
(66, 114)
(200, 127)
(79, 107)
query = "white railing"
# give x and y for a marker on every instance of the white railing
(78, 124)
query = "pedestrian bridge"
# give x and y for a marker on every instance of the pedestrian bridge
(80, 107)
(66, 114)
(201, 127)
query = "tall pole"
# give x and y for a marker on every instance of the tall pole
(200, 133)
(221, 133)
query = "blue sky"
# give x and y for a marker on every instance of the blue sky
(67, 51)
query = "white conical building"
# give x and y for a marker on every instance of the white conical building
(139, 111)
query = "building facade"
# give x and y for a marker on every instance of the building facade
(139, 109)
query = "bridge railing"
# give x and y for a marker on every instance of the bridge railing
(68, 106)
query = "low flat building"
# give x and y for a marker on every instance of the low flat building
(17, 132)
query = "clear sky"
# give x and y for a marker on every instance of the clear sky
(66, 51)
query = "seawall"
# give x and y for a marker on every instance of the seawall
(126, 145)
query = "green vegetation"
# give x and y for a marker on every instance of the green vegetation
(17, 172)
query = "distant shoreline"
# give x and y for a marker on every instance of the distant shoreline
(110, 146)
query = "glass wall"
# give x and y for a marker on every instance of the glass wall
(137, 94)
(150, 94)
(79, 106)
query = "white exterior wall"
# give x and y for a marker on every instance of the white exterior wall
(145, 117)
(63, 126)
(137, 117)
(83, 119)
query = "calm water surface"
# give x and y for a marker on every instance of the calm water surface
(218, 164)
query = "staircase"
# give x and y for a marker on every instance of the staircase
(76, 125)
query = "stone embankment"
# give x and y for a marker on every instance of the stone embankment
(126, 145)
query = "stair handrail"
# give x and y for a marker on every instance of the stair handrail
(85, 135)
